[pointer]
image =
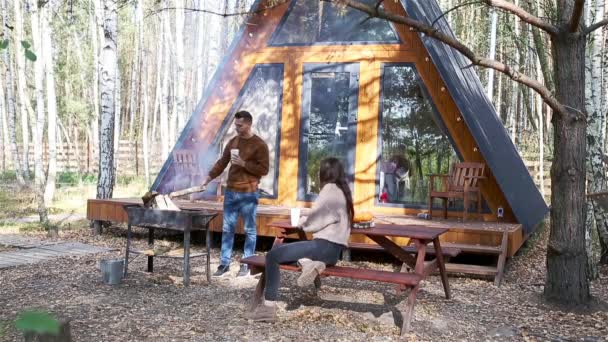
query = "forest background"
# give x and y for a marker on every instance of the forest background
(52, 72)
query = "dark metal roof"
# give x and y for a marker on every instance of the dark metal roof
(480, 116)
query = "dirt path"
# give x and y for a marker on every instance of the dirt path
(150, 307)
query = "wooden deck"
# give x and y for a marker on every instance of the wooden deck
(470, 232)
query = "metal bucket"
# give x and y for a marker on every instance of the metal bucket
(112, 270)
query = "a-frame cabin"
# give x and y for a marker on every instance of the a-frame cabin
(394, 105)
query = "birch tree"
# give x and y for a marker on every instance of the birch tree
(145, 103)
(164, 93)
(39, 173)
(566, 281)
(4, 123)
(180, 105)
(49, 64)
(596, 173)
(22, 98)
(108, 58)
(10, 98)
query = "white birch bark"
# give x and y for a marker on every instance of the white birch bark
(10, 99)
(47, 46)
(158, 83)
(39, 174)
(117, 109)
(164, 106)
(145, 105)
(180, 104)
(494, 23)
(201, 52)
(5, 144)
(135, 71)
(596, 173)
(22, 98)
(96, 27)
(108, 58)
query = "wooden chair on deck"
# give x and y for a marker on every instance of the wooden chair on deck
(463, 182)
(186, 163)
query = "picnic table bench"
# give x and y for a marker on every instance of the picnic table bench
(420, 236)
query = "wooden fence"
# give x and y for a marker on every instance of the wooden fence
(83, 158)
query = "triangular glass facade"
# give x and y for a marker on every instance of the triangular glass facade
(310, 22)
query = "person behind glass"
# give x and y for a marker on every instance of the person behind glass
(250, 161)
(329, 221)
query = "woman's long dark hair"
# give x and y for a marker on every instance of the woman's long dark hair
(332, 171)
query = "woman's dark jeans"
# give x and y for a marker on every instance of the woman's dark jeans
(318, 250)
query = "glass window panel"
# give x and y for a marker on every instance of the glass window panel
(314, 21)
(328, 126)
(328, 122)
(262, 96)
(413, 140)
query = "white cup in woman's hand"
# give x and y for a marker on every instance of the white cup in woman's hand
(295, 217)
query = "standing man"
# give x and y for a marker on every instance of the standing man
(249, 156)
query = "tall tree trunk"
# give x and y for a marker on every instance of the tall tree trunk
(109, 69)
(145, 106)
(201, 52)
(158, 84)
(164, 106)
(135, 72)
(180, 98)
(117, 108)
(566, 280)
(10, 99)
(4, 123)
(23, 98)
(596, 172)
(39, 174)
(96, 25)
(492, 55)
(49, 64)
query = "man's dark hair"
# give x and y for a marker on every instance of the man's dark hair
(244, 115)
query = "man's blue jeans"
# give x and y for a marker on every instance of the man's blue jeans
(235, 203)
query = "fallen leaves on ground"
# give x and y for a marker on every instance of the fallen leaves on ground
(156, 306)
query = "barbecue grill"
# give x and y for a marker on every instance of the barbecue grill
(185, 221)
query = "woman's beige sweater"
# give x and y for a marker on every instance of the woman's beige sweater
(328, 217)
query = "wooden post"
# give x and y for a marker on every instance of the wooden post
(136, 160)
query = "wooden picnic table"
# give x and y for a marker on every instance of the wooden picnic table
(420, 237)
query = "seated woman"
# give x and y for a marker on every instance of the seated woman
(329, 220)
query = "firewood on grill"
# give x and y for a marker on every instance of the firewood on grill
(153, 199)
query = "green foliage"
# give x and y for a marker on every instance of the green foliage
(30, 55)
(25, 44)
(37, 322)
(69, 178)
(8, 176)
(3, 44)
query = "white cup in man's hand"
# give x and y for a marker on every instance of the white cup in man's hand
(234, 153)
(295, 216)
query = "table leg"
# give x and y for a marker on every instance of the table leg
(394, 249)
(409, 310)
(127, 250)
(187, 257)
(151, 245)
(208, 246)
(278, 240)
(442, 271)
